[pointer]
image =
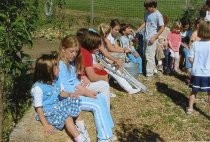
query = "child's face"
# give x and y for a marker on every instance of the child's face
(56, 69)
(128, 31)
(115, 30)
(71, 53)
(149, 9)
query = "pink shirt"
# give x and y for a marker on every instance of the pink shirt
(174, 40)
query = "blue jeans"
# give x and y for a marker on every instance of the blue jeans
(137, 60)
(167, 61)
(186, 52)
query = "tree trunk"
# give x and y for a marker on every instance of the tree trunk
(1, 105)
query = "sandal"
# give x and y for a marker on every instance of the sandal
(189, 111)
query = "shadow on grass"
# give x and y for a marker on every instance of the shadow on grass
(132, 133)
(177, 97)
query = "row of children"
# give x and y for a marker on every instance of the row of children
(73, 82)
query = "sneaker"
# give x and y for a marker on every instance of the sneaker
(107, 140)
(189, 111)
(84, 132)
(134, 91)
(113, 138)
(112, 95)
(160, 68)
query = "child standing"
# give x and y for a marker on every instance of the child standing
(162, 51)
(69, 65)
(174, 42)
(54, 108)
(154, 26)
(126, 31)
(200, 57)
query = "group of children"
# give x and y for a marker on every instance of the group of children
(73, 81)
(178, 48)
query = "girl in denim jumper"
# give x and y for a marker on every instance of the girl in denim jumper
(70, 65)
(54, 108)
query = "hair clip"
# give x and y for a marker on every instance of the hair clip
(92, 30)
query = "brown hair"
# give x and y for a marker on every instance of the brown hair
(71, 41)
(123, 27)
(44, 68)
(92, 40)
(204, 30)
(150, 3)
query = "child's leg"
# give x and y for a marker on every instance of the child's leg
(72, 131)
(209, 101)
(137, 60)
(102, 116)
(176, 61)
(191, 100)
(101, 86)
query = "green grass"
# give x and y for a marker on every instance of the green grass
(127, 8)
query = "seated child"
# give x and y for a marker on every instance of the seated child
(126, 41)
(54, 108)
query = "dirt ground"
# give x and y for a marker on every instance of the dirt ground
(141, 117)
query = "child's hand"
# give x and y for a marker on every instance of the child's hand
(135, 54)
(85, 81)
(152, 40)
(49, 129)
(90, 93)
(119, 63)
(127, 50)
(81, 90)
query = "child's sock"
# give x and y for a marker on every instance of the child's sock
(82, 129)
(80, 138)
(160, 62)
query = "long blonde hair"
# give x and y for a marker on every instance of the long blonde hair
(104, 29)
(71, 41)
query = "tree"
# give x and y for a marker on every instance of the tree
(17, 18)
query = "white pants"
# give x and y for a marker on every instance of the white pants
(121, 81)
(103, 87)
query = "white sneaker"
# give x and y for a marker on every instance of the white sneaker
(84, 132)
(114, 138)
(112, 95)
(133, 91)
(107, 140)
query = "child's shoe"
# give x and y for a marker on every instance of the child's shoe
(189, 111)
(133, 91)
(106, 140)
(160, 68)
(82, 130)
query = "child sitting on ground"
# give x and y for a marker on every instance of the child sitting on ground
(126, 41)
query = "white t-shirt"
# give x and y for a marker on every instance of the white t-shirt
(200, 52)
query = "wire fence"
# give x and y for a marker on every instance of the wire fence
(129, 8)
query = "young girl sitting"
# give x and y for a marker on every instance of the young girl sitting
(69, 65)
(54, 108)
(126, 31)
(200, 57)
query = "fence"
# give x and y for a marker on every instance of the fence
(128, 8)
(131, 10)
